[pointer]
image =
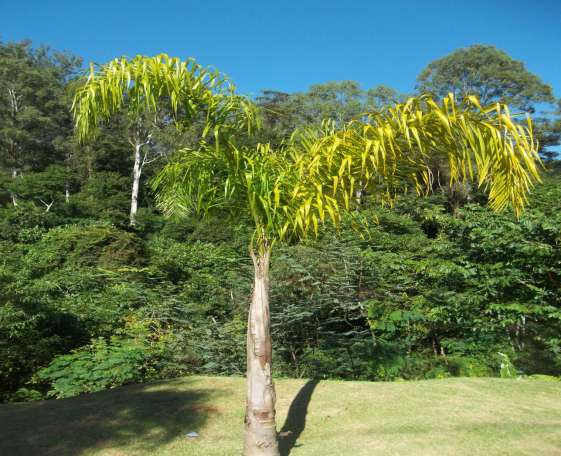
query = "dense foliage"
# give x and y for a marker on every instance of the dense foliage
(87, 302)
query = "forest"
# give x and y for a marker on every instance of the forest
(100, 288)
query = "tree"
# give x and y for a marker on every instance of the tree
(279, 114)
(549, 133)
(46, 188)
(381, 96)
(151, 93)
(34, 118)
(309, 183)
(337, 101)
(491, 75)
(487, 73)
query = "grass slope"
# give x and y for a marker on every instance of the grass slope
(436, 417)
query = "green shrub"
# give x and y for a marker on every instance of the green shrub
(26, 394)
(77, 246)
(131, 357)
(438, 372)
(468, 367)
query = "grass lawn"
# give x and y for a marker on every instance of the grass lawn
(456, 416)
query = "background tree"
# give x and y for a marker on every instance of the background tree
(291, 192)
(492, 76)
(487, 73)
(279, 116)
(549, 133)
(34, 117)
(337, 101)
(150, 93)
(380, 96)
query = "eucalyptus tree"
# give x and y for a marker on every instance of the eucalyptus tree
(308, 184)
(150, 93)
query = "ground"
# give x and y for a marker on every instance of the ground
(458, 416)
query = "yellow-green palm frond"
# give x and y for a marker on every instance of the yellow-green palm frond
(140, 84)
(315, 177)
(194, 182)
(392, 151)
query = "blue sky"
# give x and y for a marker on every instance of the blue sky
(288, 45)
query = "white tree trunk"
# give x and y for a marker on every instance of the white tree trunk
(47, 205)
(12, 194)
(66, 194)
(260, 426)
(136, 172)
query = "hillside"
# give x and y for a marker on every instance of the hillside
(459, 416)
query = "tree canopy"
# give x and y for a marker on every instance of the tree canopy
(488, 73)
(150, 93)
(34, 118)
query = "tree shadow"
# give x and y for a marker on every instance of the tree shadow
(136, 416)
(296, 419)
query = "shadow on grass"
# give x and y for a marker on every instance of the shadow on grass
(296, 419)
(138, 416)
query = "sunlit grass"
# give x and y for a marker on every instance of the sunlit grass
(436, 417)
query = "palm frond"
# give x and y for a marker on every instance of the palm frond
(314, 177)
(142, 83)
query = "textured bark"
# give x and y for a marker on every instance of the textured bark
(260, 426)
(136, 172)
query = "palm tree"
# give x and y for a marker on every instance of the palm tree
(310, 181)
(151, 92)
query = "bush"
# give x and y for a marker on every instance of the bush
(131, 357)
(77, 246)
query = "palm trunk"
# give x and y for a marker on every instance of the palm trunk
(136, 172)
(260, 426)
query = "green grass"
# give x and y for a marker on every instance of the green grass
(436, 417)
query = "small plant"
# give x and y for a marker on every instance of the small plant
(507, 368)
(26, 394)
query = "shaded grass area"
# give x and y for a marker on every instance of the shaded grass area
(434, 417)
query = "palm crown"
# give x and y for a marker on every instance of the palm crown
(146, 85)
(315, 175)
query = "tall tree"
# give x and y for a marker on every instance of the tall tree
(491, 75)
(308, 184)
(488, 73)
(337, 101)
(34, 118)
(381, 96)
(279, 114)
(150, 93)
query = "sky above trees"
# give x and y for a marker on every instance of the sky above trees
(290, 45)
